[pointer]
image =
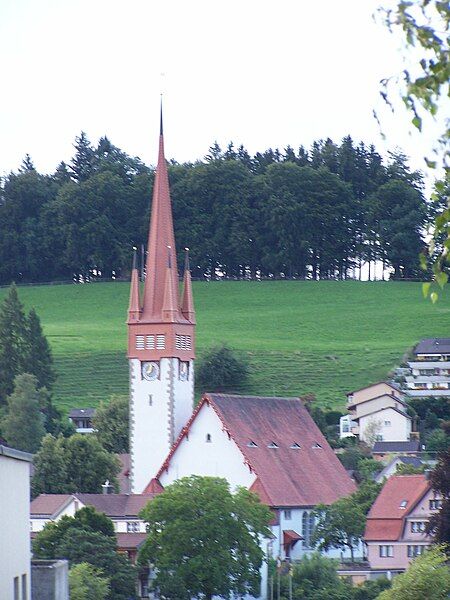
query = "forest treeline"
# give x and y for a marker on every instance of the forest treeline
(317, 213)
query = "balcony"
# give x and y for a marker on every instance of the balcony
(428, 364)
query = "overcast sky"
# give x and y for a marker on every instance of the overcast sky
(261, 73)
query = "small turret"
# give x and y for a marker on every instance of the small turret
(134, 307)
(187, 298)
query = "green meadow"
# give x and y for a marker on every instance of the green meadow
(326, 337)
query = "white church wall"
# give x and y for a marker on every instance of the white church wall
(219, 457)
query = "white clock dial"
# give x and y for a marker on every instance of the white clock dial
(150, 370)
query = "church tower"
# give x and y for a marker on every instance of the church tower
(161, 328)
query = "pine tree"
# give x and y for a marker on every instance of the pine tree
(38, 356)
(12, 344)
(27, 164)
(23, 425)
(83, 161)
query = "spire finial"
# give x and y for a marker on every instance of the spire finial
(161, 117)
(186, 260)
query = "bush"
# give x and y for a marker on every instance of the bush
(222, 369)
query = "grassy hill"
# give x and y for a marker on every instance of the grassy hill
(324, 337)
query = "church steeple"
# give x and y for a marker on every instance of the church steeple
(161, 235)
(161, 342)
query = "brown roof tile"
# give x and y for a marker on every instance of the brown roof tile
(287, 476)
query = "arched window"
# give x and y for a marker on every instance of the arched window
(307, 528)
(208, 437)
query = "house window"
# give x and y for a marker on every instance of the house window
(272, 445)
(287, 515)
(24, 587)
(403, 504)
(418, 526)
(16, 588)
(386, 551)
(133, 527)
(150, 399)
(414, 551)
(252, 444)
(387, 423)
(140, 342)
(208, 437)
(435, 504)
(150, 342)
(160, 342)
(307, 528)
(295, 446)
(378, 438)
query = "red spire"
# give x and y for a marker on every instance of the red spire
(134, 308)
(170, 310)
(187, 298)
(161, 236)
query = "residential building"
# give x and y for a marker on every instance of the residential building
(383, 450)
(15, 554)
(429, 369)
(122, 509)
(377, 413)
(396, 461)
(272, 447)
(396, 524)
(82, 419)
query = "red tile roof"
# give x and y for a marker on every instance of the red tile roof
(130, 541)
(113, 505)
(49, 504)
(306, 476)
(398, 497)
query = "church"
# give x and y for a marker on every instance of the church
(269, 445)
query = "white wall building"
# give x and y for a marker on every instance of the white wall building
(377, 413)
(430, 369)
(15, 552)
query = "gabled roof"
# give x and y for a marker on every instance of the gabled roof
(433, 346)
(77, 413)
(286, 476)
(397, 498)
(400, 412)
(399, 490)
(386, 447)
(113, 505)
(414, 461)
(366, 387)
(350, 406)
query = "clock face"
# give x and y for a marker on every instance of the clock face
(183, 371)
(150, 371)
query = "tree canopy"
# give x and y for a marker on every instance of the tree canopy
(316, 213)
(203, 541)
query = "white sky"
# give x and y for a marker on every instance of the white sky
(261, 73)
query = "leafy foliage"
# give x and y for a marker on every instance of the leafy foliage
(23, 425)
(75, 464)
(111, 422)
(12, 341)
(86, 582)
(341, 524)
(440, 481)
(203, 540)
(303, 213)
(427, 577)
(424, 87)
(221, 369)
(88, 537)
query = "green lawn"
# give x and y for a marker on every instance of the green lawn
(324, 337)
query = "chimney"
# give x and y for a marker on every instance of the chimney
(107, 488)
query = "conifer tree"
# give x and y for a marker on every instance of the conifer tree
(23, 425)
(38, 356)
(12, 341)
(83, 161)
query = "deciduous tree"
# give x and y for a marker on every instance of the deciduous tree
(111, 422)
(86, 583)
(203, 540)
